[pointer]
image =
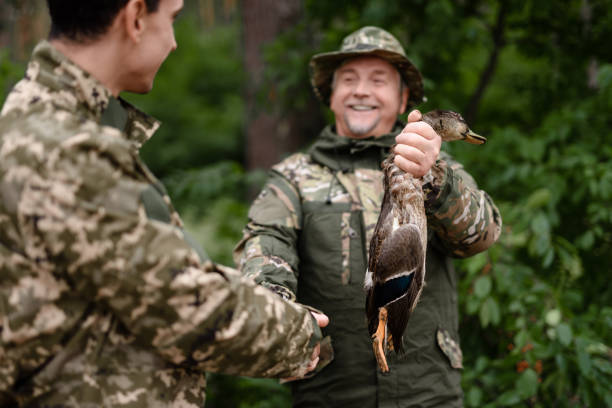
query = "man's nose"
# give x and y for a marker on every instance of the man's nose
(361, 88)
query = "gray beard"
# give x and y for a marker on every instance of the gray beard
(360, 129)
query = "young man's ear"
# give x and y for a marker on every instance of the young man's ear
(133, 18)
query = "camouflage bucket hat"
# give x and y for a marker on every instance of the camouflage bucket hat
(367, 41)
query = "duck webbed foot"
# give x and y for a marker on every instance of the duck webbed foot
(380, 340)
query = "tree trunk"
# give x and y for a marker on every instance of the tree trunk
(270, 134)
(22, 24)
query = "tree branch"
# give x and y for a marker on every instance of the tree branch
(485, 78)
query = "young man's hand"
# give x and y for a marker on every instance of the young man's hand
(322, 321)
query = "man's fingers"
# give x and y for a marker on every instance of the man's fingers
(414, 116)
(411, 153)
(322, 320)
(420, 128)
(414, 140)
(410, 167)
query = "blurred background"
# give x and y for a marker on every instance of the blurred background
(534, 77)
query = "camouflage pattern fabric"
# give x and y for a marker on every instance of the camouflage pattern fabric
(450, 348)
(367, 41)
(104, 299)
(308, 235)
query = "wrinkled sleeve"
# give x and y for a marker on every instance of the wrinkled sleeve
(463, 217)
(267, 252)
(83, 210)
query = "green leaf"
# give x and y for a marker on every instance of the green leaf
(538, 198)
(603, 365)
(584, 360)
(564, 334)
(508, 398)
(561, 363)
(473, 397)
(472, 305)
(489, 312)
(481, 364)
(553, 317)
(484, 315)
(527, 383)
(586, 240)
(521, 339)
(598, 348)
(475, 263)
(482, 286)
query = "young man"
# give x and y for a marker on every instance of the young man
(310, 228)
(104, 299)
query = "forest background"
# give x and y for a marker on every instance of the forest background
(534, 77)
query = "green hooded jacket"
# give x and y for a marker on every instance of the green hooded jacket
(307, 239)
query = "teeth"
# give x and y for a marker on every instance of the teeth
(362, 107)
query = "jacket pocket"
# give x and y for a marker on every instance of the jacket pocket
(450, 348)
(325, 242)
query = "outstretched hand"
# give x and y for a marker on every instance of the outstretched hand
(322, 321)
(418, 146)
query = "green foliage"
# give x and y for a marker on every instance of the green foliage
(212, 202)
(242, 392)
(537, 306)
(10, 73)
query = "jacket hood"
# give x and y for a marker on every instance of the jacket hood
(344, 154)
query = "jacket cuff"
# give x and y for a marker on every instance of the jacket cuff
(317, 335)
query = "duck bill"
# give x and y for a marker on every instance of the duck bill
(474, 138)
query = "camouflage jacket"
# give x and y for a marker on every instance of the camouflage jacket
(307, 239)
(104, 302)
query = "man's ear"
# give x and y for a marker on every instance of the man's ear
(133, 19)
(404, 98)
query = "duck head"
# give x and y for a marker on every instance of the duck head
(451, 126)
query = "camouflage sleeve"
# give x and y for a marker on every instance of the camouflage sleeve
(464, 217)
(82, 215)
(267, 252)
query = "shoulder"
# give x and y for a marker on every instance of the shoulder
(39, 133)
(299, 168)
(31, 93)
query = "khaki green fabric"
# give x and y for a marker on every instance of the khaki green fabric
(308, 236)
(104, 300)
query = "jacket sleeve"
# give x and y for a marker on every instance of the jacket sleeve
(82, 216)
(463, 217)
(267, 252)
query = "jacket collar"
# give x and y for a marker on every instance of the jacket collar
(341, 153)
(76, 90)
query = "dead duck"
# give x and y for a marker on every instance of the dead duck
(396, 268)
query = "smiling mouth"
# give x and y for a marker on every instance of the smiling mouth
(362, 108)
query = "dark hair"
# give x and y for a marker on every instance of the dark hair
(82, 20)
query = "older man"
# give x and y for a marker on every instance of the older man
(309, 229)
(104, 299)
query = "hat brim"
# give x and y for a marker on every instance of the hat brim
(322, 67)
